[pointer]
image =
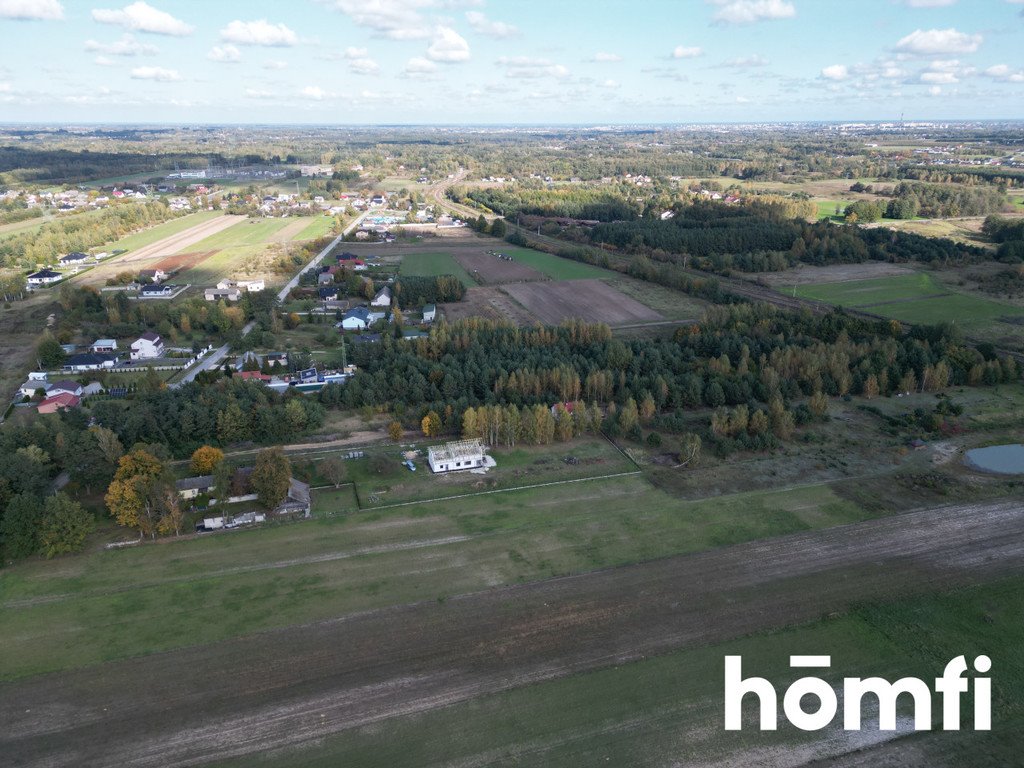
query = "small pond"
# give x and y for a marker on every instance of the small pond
(1001, 459)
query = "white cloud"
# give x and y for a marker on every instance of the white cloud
(142, 17)
(928, 3)
(126, 46)
(745, 62)
(37, 10)
(610, 84)
(499, 29)
(257, 93)
(686, 52)
(419, 66)
(155, 73)
(356, 53)
(935, 91)
(938, 42)
(104, 61)
(314, 92)
(1004, 73)
(944, 78)
(275, 64)
(750, 11)
(396, 19)
(530, 68)
(606, 58)
(448, 46)
(258, 32)
(364, 67)
(225, 54)
(835, 72)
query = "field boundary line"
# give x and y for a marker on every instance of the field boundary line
(504, 490)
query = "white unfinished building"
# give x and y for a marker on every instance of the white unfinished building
(451, 457)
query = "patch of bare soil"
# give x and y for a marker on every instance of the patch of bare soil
(593, 301)
(806, 274)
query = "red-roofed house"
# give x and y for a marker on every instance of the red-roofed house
(59, 403)
(253, 375)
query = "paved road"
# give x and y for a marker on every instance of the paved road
(215, 358)
(297, 685)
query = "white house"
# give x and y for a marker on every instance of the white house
(429, 313)
(104, 345)
(242, 285)
(44, 277)
(64, 387)
(459, 455)
(383, 297)
(76, 259)
(355, 319)
(147, 346)
(157, 291)
(88, 361)
(30, 387)
(190, 487)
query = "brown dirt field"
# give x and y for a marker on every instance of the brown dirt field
(182, 261)
(810, 275)
(145, 257)
(486, 269)
(297, 685)
(490, 303)
(591, 300)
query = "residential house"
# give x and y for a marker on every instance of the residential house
(76, 259)
(297, 501)
(157, 291)
(154, 275)
(104, 345)
(64, 387)
(454, 456)
(147, 346)
(383, 297)
(227, 294)
(253, 376)
(355, 319)
(88, 361)
(44, 277)
(250, 286)
(325, 278)
(31, 388)
(58, 403)
(190, 487)
(429, 313)
(328, 292)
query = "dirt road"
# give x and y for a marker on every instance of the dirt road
(297, 685)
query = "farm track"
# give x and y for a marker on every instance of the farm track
(300, 684)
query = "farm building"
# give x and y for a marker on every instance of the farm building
(228, 294)
(157, 291)
(104, 345)
(458, 455)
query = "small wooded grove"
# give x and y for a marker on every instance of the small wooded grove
(720, 237)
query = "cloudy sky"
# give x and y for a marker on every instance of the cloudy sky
(509, 61)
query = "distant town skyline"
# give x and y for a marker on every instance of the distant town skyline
(474, 62)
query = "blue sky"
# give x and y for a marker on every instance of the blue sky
(497, 61)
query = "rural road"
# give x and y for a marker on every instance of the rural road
(215, 358)
(297, 685)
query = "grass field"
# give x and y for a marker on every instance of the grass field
(556, 267)
(917, 298)
(104, 605)
(433, 264)
(245, 232)
(318, 227)
(160, 231)
(237, 251)
(667, 710)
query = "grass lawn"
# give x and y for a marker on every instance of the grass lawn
(109, 604)
(556, 267)
(245, 232)
(916, 298)
(667, 710)
(160, 231)
(433, 264)
(827, 208)
(671, 304)
(318, 227)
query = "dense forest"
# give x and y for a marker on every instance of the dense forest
(721, 237)
(575, 202)
(1009, 233)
